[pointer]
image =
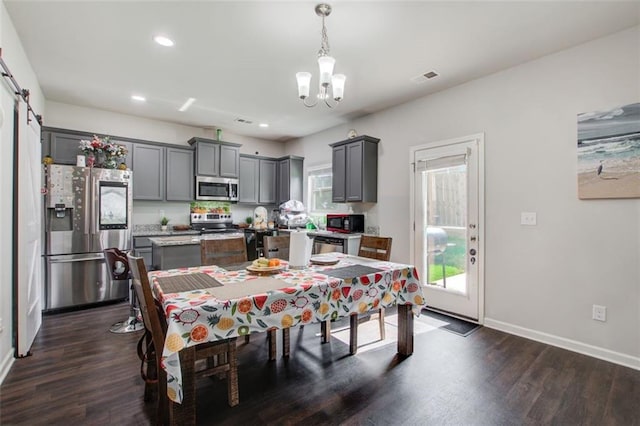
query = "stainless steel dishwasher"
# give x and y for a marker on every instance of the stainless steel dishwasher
(342, 244)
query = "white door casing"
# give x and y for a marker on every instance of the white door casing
(464, 155)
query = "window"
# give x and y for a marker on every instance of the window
(319, 193)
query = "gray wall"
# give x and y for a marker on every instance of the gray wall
(540, 281)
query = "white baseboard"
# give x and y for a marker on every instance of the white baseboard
(561, 342)
(5, 365)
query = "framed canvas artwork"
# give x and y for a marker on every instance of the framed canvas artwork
(609, 153)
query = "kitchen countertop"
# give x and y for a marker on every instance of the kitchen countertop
(147, 233)
(183, 240)
(318, 232)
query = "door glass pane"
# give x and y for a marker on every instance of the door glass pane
(445, 203)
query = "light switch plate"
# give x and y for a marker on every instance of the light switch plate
(528, 218)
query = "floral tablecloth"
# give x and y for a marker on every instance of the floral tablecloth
(308, 296)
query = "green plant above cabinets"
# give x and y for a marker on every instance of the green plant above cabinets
(215, 158)
(355, 170)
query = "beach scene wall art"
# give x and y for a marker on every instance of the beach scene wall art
(609, 153)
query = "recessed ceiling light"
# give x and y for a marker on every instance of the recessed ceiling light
(185, 106)
(264, 125)
(163, 41)
(138, 98)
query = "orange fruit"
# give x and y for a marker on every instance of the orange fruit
(306, 315)
(225, 323)
(199, 333)
(286, 321)
(174, 342)
(244, 306)
(274, 262)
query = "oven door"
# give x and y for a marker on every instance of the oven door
(323, 244)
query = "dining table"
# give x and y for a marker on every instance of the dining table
(209, 303)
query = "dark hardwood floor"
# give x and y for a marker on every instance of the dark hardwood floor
(80, 374)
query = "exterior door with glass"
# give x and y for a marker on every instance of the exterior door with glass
(447, 209)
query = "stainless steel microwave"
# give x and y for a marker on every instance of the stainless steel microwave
(216, 189)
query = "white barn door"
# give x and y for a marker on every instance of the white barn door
(29, 253)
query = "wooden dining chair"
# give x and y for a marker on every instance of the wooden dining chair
(277, 246)
(378, 248)
(223, 350)
(223, 252)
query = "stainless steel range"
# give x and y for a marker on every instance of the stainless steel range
(208, 223)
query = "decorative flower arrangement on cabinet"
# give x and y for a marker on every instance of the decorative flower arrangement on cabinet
(100, 152)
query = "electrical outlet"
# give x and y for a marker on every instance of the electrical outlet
(599, 313)
(528, 218)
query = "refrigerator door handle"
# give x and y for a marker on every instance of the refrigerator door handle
(83, 259)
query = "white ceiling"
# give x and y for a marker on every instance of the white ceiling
(239, 59)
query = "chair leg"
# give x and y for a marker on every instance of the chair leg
(381, 322)
(233, 396)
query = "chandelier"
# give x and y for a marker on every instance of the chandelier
(328, 80)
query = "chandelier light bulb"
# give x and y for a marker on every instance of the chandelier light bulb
(337, 82)
(304, 82)
(326, 81)
(326, 63)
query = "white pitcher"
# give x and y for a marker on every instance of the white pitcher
(300, 247)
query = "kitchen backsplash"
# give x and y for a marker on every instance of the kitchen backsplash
(178, 213)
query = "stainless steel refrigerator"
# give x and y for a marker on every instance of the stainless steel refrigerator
(86, 210)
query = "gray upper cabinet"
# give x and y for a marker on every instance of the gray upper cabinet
(180, 180)
(207, 159)
(257, 180)
(214, 158)
(229, 161)
(249, 180)
(339, 177)
(355, 170)
(267, 183)
(65, 147)
(290, 179)
(148, 172)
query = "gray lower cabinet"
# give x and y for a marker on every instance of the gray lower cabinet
(215, 158)
(290, 180)
(355, 170)
(180, 178)
(142, 248)
(148, 172)
(257, 182)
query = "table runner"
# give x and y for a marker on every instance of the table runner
(247, 288)
(179, 283)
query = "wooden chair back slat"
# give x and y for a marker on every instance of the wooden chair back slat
(223, 252)
(277, 246)
(375, 247)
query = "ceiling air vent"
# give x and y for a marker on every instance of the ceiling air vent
(424, 77)
(243, 121)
